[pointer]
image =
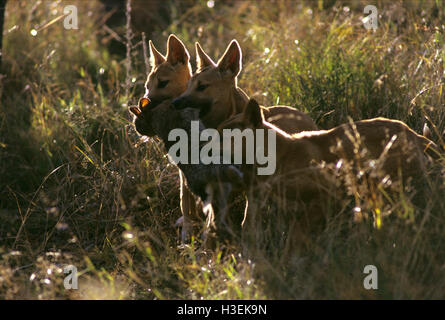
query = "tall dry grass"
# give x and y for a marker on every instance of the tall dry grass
(79, 186)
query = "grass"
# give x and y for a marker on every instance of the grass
(79, 186)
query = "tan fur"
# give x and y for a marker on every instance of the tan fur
(216, 83)
(298, 174)
(227, 98)
(174, 68)
(285, 118)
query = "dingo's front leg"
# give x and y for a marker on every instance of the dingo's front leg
(188, 209)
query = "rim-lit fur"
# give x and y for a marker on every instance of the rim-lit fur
(301, 158)
(169, 74)
(213, 90)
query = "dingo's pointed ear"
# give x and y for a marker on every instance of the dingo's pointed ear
(252, 114)
(176, 51)
(202, 59)
(135, 110)
(231, 59)
(143, 103)
(156, 57)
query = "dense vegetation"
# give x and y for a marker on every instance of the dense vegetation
(79, 186)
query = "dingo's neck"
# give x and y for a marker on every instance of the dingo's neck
(238, 100)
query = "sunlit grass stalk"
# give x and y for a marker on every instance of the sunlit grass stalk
(128, 39)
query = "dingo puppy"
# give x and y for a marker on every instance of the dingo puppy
(213, 89)
(168, 77)
(389, 144)
(167, 80)
(213, 183)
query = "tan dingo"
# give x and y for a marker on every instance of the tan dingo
(213, 90)
(389, 145)
(168, 77)
(167, 80)
(213, 183)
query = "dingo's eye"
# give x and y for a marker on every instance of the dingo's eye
(201, 87)
(162, 84)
